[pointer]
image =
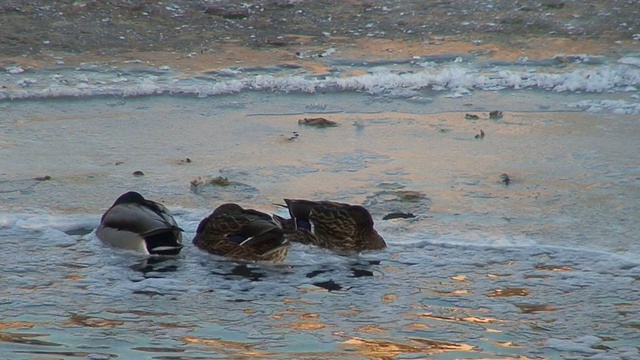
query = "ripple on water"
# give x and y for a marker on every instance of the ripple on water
(472, 274)
(80, 299)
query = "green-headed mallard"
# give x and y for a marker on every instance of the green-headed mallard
(135, 223)
(331, 225)
(242, 234)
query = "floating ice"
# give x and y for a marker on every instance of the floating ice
(14, 69)
(34, 222)
(328, 52)
(628, 60)
(614, 106)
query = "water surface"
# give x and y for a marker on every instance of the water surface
(543, 267)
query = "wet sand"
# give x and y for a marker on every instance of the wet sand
(188, 37)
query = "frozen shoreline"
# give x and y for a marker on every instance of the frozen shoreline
(565, 166)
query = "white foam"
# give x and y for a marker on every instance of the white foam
(457, 78)
(14, 69)
(615, 106)
(36, 222)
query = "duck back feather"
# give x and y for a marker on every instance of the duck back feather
(333, 225)
(136, 223)
(244, 234)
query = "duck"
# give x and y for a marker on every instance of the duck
(242, 234)
(332, 225)
(139, 224)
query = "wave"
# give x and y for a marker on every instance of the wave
(454, 77)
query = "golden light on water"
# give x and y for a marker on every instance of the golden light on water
(457, 292)
(353, 311)
(443, 345)
(17, 325)
(417, 326)
(384, 349)
(389, 298)
(158, 349)
(88, 321)
(508, 344)
(309, 316)
(74, 277)
(371, 329)
(554, 267)
(380, 348)
(27, 339)
(224, 346)
(301, 321)
(469, 319)
(307, 326)
(508, 292)
(530, 308)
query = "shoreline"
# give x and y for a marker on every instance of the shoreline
(310, 57)
(201, 35)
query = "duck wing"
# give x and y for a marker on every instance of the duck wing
(332, 222)
(139, 218)
(162, 212)
(300, 211)
(242, 236)
(263, 236)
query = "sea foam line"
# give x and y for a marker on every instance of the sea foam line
(453, 77)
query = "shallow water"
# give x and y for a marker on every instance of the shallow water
(544, 267)
(74, 298)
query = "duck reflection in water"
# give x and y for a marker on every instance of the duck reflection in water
(156, 265)
(244, 271)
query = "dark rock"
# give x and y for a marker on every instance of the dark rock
(505, 179)
(226, 13)
(398, 215)
(317, 122)
(553, 4)
(494, 115)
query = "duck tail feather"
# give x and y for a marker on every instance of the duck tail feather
(163, 242)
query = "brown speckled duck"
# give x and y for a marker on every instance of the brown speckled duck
(336, 226)
(241, 234)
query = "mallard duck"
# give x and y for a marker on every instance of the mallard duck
(336, 226)
(135, 223)
(242, 234)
